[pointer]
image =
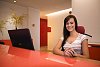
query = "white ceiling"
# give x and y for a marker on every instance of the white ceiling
(45, 6)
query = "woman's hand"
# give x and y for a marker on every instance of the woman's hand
(69, 52)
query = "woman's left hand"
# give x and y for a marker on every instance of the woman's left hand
(70, 52)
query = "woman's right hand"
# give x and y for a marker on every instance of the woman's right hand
(69, 52)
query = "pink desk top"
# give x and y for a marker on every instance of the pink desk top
(18, 57)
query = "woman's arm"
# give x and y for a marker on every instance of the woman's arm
(57, 50)
(84, 49)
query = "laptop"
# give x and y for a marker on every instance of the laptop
(21, 38)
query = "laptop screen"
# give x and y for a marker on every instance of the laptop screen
(21, 38)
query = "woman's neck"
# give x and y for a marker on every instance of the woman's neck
(73, 33)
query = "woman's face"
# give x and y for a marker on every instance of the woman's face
(70, 25)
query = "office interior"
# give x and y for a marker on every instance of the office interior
(86, 11)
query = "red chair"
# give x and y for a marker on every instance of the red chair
(81, 30)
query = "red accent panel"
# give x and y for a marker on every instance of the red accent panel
(49, 29)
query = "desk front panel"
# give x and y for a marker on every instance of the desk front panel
(18, 57)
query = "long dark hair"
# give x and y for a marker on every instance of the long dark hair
(66, 33)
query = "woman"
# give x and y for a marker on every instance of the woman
(72, 43)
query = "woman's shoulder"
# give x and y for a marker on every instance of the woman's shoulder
(82, 36)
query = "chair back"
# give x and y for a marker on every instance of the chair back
(81, 29)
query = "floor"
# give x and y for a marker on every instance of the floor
(44, 48)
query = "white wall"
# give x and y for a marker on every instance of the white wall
(55, 21)
(88, 14)
(32, 16)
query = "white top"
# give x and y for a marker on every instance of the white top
(76, 45)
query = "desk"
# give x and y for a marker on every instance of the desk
(18, 57)
(94, 51)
